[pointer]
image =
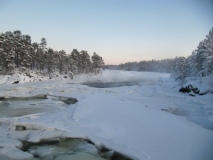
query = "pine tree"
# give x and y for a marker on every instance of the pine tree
(26, 53)
(85, 61)
(62, 62)
(16, 50)
(8, 52)
(51, 55)
(42, 54)
(75, 60)
(35, 55)
(97, 63)
(207, 66)
(17, 46)
(2, 56)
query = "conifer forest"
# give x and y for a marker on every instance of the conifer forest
(17, 52)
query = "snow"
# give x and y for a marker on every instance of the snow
(147, 132)
(30, 77)
(142, 121)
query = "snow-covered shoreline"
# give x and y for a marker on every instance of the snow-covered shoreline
(127, 119)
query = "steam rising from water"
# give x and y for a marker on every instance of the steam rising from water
(123, 78)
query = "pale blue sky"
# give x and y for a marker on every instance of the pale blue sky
(118, 30)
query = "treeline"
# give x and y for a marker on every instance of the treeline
(199, 63)
(165, 65)
(17, 51)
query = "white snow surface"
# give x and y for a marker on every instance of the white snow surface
(127, 119)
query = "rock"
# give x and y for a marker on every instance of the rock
(193, 90)
(69, 100)
(203, 93)
(20, 128)
(15, 82)
(189, 89)
(65, 77)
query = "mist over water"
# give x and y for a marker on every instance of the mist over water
(111, 79)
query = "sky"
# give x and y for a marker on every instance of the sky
(118, 30)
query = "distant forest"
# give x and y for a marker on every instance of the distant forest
(17, 52)
(199, 63)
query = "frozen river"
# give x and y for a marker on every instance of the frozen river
(139, 114)
(194, 112)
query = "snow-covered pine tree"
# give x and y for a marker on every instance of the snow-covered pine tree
(70, 64)
(51, 55)
(180, 68)
(42, 53)
(191, 62)
(200, 57)
(35, 56)
(97, 63)
(17, 46)
(207, 66)
(75, 60)
(66, 64)
(2, 56)
(26, 55)
(8, 54)
(62, 61)
(17, 49)
(85, 61)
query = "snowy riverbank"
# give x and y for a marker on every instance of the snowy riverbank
(130, 118)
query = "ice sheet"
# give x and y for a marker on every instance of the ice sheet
(127, 119)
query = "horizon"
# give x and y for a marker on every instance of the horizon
(119, 32)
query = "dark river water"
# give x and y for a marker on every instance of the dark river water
(100, 84)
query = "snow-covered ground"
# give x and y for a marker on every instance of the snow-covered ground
(134, 113)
